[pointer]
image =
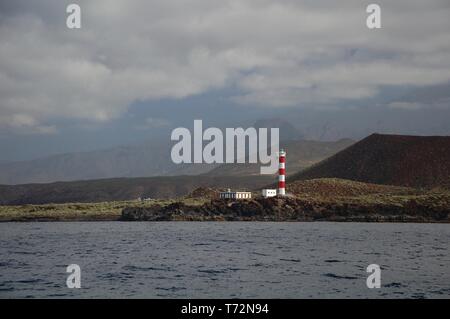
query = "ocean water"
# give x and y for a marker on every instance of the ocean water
(224, 260)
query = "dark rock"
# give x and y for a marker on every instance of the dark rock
(289, 209)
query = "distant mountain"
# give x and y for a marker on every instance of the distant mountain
(140, 160)
(415, 161)
(146, 160)
(300, 155)
(287, 131)
(117, 189)
(151, 158)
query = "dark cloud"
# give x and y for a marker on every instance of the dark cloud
(276, 55)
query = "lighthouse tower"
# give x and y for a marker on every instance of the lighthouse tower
(282, 173)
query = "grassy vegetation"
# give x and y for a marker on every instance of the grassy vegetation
(339, 191)
(428, 199)
(80, 211)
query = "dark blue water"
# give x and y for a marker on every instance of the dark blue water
(224, 260)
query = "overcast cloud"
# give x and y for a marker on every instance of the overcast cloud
(274, 54)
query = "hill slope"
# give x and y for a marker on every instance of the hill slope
(145, 159)
(414, 161)
(301, 154)
(334, 187)
(138, 160)
(119, 189)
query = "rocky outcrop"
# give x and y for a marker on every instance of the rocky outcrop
(204, 192)
(290, 209)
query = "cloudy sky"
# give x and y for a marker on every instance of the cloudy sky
(138, 68)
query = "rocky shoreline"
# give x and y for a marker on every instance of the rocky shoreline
(312, 200)
(289, 209)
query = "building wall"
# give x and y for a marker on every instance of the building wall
(269, 192)
(235, 195)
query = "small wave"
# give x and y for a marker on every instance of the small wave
(443, 291)
(212, 271)
(57, 295)
(139, 268)
(332, 261)
(291, 260)
(438, 248)
(29, 281)
(259, 254)
(23, 252)
(330, 275)
(171, 288)
(257, 265)
(223, 241)
(394, 285)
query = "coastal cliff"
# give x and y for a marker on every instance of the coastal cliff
(292, 209)
(312, 200)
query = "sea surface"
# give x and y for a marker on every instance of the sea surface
(224, 259)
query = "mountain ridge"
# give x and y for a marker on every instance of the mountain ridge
(144, 159)
(400, 160)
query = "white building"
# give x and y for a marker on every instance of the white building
(269, 193)
(235, 195)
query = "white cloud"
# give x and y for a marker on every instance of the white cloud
(25, 124)
(153, 122)
(277, 53)
(405, 105)
(438, 103)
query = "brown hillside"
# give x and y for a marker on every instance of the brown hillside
(333, 187)
(414, 161)
(204, 192)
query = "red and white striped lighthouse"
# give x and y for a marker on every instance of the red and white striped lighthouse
(282, 173)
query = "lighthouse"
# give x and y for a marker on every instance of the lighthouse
(282, 173)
